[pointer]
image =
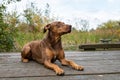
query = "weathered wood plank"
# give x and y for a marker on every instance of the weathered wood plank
(95, 63)
(70, 77)
(71, 53)
(39, 70)
(99, 45)
(92, 53)
(78, 56)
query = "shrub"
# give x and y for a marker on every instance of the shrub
(6, 37)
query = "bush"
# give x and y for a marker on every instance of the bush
(6, 37)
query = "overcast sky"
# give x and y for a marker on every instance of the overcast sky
(96, 11)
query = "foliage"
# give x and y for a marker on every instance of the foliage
(83, 24)
(109, 29)
(35, 18)
(14, 33)
(6, 2)
(6, 37)
(7, 27)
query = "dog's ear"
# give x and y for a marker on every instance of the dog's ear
(47, 27)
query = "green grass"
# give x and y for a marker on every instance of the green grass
(70, 41)
(22, 38)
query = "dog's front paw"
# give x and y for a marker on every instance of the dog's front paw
(79, 68)
(25, 60)
(59, 72)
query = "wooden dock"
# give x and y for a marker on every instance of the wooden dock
(99, 65)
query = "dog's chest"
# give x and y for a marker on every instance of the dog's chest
(54, 58)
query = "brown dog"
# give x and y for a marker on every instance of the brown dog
(50, 48)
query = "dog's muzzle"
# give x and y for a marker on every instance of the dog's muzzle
(69, 28)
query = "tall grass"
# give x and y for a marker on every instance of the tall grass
(70, 41)
(22, 38)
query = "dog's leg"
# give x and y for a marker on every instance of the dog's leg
(65, 62)
(72, 64)
(54, 67)
(25, 52)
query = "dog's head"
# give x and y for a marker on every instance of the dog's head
(58, 27)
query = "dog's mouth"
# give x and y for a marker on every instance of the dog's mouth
(69, 29)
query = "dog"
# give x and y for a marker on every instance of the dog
(49, 49)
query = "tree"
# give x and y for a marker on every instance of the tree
(6, 35)
(6, 38)
(82, 24)
(47, 10)
(110, 29)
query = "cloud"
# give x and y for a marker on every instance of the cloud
(96, 11)
(113, 1)
(110, 1)
(94, 18)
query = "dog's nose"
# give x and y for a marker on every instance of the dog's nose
(70, 26)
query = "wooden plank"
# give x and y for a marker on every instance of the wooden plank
(78, 58)
(92, 53)
(71, 53)
(105, 58)
(99, 45)
(95, 63)
(15, 58)
(70, 77)
(86, 56)
(38, 70)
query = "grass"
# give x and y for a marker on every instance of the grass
(22, 38)
(70, 41)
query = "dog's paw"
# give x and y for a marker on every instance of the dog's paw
(79, 68)
(59, 72)
(25, 60)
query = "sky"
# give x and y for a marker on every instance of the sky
(95, 11)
